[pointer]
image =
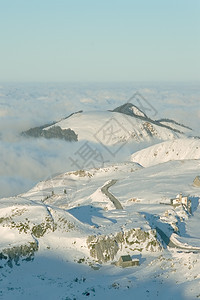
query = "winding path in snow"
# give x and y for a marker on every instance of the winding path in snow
(112, 198)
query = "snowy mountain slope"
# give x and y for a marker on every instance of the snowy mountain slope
(72, 188)
(89, 229)
(27, 226)
(87, 198)
(158, 183)
(110, 128)
(130, 109)
(125, 123)
(175, 125)
(78, 223)
(42, 220)
(178, 149)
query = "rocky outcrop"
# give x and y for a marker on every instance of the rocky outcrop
(104, 248)
(55, 132)
(36, 230)
(10, 256)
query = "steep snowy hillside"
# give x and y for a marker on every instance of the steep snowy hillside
(179, 149)
(131, 110)
(134, 111)
(62, 238)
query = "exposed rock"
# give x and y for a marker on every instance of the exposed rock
(53, 132)
(13, 255)
(37, 230)
(40, 229)
(104, 248)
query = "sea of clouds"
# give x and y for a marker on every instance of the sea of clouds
(25, 161)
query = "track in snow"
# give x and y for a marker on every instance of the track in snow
(112, 198)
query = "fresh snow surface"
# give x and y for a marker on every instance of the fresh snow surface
(73, 207)
(110, 128)
(137, 112)
(178, 149)
(176, 126)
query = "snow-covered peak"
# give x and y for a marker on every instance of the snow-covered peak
(126, 123)
(111, 128)
(137, 112)
(130, 109)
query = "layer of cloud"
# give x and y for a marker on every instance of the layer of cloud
(24, 162)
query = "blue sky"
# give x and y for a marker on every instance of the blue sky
(93, 40)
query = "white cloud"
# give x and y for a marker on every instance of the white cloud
(23, 162)
(3, 112)
(87, 100)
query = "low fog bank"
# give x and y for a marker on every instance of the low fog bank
(25, 161)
